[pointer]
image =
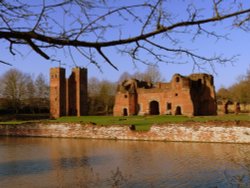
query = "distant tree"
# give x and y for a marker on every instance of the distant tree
(247, 77)
(224, 94)
(14, 89)
(138, 75)
(20, 93)
(93, 91)
(124, 76)
(238, 92)
(153, 74)
(134, 28)
(42, 87)
(42, 92)
(101, 96)
(93, 86)
(30, 94)
(107, 93)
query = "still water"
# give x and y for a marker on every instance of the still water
(54, 162)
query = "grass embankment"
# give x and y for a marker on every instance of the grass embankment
(144, 122)
(140, 122)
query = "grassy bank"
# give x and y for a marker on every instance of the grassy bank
(144, 122)
(141, 122)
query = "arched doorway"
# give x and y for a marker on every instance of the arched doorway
(154, 108)
(178, 110)
(125, 112)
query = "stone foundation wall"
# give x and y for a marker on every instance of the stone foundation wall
(227, 132)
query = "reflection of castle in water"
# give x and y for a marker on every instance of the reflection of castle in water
(191, 95)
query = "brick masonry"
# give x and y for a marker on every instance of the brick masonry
(187, 95)
(224, 132)
(68, 96)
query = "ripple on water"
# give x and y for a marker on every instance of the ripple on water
(45, 162)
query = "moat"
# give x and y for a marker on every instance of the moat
(60, 162)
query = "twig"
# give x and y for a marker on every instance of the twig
(106, 58)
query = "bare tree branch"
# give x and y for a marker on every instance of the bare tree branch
(150, 16)
(40, 16)
(189, 53)
(52, 40)
(106, 58)
(36, 49)
(97, 25)
(4, 62)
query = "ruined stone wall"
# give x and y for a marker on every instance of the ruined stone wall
(145, 98)
(121, 103)
(182, 103)
(133, 101)
(191, 95)
(203, 94)
(226, 132)
(180, 95)
(244, 108)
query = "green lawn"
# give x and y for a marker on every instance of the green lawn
(144, 122)
(141, 122)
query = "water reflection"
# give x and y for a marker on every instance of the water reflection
(47, 162)
(17, 168)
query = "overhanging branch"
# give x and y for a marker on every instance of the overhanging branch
(36, 49)
(106, 58)
(4, 62)
(86, 29)
(57, 41)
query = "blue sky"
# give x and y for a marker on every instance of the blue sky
(226, 75)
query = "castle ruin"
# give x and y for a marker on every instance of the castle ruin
(184, 95)
(68, 96)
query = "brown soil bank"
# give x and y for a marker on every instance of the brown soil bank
(225, 132)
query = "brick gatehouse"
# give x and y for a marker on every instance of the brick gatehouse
(184, 95)
(68, 96)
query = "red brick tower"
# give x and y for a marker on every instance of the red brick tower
(77, 92)
(57, 92)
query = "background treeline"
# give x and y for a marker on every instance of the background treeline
(24, 93)
(238, 92)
